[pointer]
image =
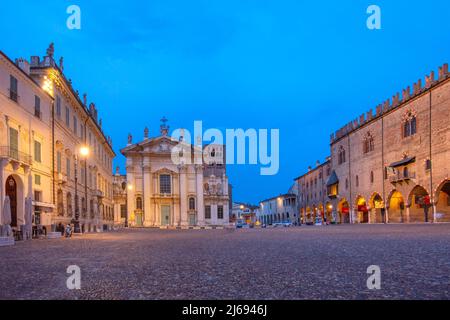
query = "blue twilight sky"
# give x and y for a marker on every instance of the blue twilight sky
(305, 67)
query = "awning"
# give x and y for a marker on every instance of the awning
(46, 207)
(333, 179)
(403, 162)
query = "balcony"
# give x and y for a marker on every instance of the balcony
(61, 179)
(400, 177)
(99, 194)
(15, 155)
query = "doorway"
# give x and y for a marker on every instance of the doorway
(165, 215)
(11, 192)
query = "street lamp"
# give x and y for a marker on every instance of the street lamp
(83, 153)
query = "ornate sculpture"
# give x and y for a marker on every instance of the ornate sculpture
(51, 50)
(146, 133)
(130, 138)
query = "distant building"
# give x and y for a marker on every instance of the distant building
(245, 212)
(120, 187)
(282, 208)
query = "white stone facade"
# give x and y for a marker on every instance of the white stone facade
(161, 193)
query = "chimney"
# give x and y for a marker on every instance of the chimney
(24, 65)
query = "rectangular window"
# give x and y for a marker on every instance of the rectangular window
(58, 162)
(13, 89)
(37, 107)
(82, 132)
(75, 125)
(123, 211)
(37, 195)
(58, 107)
(428, 164)
(37, 151)
(68, 167)
(220, 212)
(165, 185)
(67, 117)
(37, 179)
(14, 140)
(207, 212)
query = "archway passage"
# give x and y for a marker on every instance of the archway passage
(377, 209)
(308, 216)
(420, 209)
(397, 208)
(362, 210)
(329, 212)
(443, 203)
(11, 192)
(344, 211)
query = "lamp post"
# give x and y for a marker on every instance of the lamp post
(83, 153)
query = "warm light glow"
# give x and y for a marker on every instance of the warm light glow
(48, 86)
(242, 207)
(84, 152)
(330, 206)
(130, 187)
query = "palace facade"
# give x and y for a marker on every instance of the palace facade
(164, 193)
(391, 165)
(43, 126)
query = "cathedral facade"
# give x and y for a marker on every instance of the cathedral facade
(165, 193)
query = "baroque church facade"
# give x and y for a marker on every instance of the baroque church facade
(166, 193)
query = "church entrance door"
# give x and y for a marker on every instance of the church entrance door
(165, 215)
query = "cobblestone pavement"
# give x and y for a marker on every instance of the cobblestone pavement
(283, 263)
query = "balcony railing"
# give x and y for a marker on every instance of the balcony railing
(98, 193)
(14, 154)
(402, 177)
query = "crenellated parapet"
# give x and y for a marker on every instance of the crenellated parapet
(396, 101)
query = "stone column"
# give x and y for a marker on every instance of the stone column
(407, 214)
(226, 213)
(386, 215)
(434, 212)
(199, 188)
(131, 201)
(2, 187)
(147, 194)
(214, 214)
(183, 195)
(156, 213)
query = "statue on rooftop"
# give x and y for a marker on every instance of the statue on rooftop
(51, 50)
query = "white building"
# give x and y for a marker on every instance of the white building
(279, 209)
(43, 126)
(25, 142)
(162, 193)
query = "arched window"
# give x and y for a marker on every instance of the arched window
(191, 203)
(124, 186)
(405, 172)
(83, 207)
(60, 202)
(371, 177)
(91, 208)
(139, 203)
(341, 155)
(69, 204)
(368, 143)
(409, 124)
(357, 181)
